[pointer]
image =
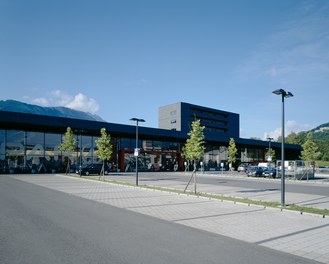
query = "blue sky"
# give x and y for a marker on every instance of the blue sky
(126, 58)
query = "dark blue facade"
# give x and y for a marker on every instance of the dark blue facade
(216, 122)
(27, 140)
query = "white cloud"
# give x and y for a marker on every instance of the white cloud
(77, 102)
(290, 126)
(41, 101)
(60, 98)
(83, 103)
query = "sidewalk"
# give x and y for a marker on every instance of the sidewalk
(265, 194)
(303, 235)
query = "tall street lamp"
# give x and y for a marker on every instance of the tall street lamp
(269, 157)
(80, 160)
(136, 152)
(283, 94)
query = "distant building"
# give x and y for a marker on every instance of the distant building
(322, 129)
(30, 142)
(179, 116)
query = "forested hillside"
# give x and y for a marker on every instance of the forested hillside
(320, 136)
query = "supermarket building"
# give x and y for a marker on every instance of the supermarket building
(30, 142)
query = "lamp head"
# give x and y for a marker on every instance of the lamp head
(137, 119)
(279, 92)
(283, 93)
(288, 94)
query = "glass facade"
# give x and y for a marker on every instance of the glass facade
(14, 150)
(38, 152)
(2, 150)
(52, 152)
(214, 157)
(252, 155)
(154, 155)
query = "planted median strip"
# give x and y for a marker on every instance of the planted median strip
(289, 207)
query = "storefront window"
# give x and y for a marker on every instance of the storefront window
(254, 155)
(157, 145)
(2, 150)
(52, 152)
(15, 150)
(214, 156)
(125, 143)
(35, 152)
(87, 149)
(147, 144)
(170, 146)
(129, 162)
(2, 139)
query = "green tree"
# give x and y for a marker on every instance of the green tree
(323, 146)
(194, 148)
(291, 138)
(270, 153)
(310, 151)
(231, 153)
(68, 145)
(104, 149)
(294, 138)
(186, 157)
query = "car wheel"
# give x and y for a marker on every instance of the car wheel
(87, 173)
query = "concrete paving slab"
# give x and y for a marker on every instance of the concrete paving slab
(303, 235)
(272, 195)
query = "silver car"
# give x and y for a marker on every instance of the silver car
(242, 167)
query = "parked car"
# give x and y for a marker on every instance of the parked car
(93, 169)
(242, 167)
(255, 171)
(269, 172)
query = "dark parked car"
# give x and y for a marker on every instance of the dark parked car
(93, 169)
(255, 171)
(269, 172)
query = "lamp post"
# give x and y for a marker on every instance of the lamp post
(136, 152)
(269, 158)
(284, 94)
(80, 159)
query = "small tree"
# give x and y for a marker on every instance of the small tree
(194, 148)
(310, 151)
(186, 158)
(232, 150)
(104, 149)
(69, 145)
(270, 153)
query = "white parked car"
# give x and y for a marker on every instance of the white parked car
(242, 167)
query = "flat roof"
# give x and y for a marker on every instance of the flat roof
(51, 124)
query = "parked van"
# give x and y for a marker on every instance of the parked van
(264, 165)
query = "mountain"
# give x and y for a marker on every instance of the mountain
(16, 106)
